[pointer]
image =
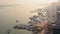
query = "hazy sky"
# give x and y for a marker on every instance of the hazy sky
(2, 2)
